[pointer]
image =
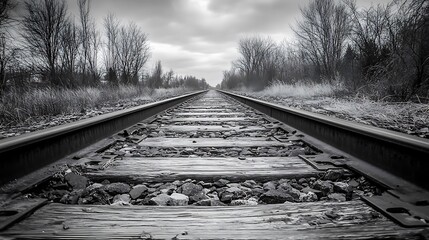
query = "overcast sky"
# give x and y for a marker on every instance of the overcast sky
(199, 37)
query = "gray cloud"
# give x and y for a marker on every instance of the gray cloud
(199, 37)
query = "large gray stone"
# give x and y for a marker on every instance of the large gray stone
(138, 190)
(284, 186)
(249, 183)
(333, 174)
(221, 183)
(190, 189)
(325, 187)
(269, 186)
(178, 199)
(198, 196)
(93, 186)
(117, 188)
(76, 181)
(342, 187)
(121, 200)
(275, 196)
(308, 197)
(226, 197)
(160, 200)
(295, 193)
(237, 192)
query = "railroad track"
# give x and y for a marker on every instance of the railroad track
(211, 167)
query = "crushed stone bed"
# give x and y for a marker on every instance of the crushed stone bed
(69, 187)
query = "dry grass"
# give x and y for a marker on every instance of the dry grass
(20, 106)
(408, 116)
(301, 89)
(329, 99)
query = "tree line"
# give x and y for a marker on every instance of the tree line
(382, 51)
(48, 45)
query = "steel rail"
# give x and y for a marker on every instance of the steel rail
(24, 154)
(402, 155)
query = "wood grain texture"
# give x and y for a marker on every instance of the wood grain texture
(206, 169)
(276, 221)
(210, 114)
(211, 128)
(211, 142)
(211, 106)
(213, 119)
(208, 110)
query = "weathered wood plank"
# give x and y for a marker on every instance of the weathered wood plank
(213, 119)
(208, 110)
(211, 128)
(211, 106)
(13, 210)
(212, 142)
(210, 114)
(276, 221)
(233, 169)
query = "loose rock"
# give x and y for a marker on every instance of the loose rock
(76, 181)
(190, 189)
(275, 196)
(324, 186)
(178, 199)
(138, 191)
(160, 200)
(308, 197)
(249, 183)
(93, 186)
(333, 174)
(198, 197)
(73, 197)
(221, 183)
(237, 192)
(269, 185)
(342, 187)
(121, 200)
(117, 188)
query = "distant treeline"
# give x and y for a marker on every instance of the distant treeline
(46, 45)
(381, 51)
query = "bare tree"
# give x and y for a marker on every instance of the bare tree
(5, 52)
(168, 78)
(155, 80)
(90, 41)
(132, 50)
(111, 26)
(392, 45)
(254, 53)
(370, 34)
(322, 33)
(42, 28)
(69, 52)
(5, 8)
(409, 31)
